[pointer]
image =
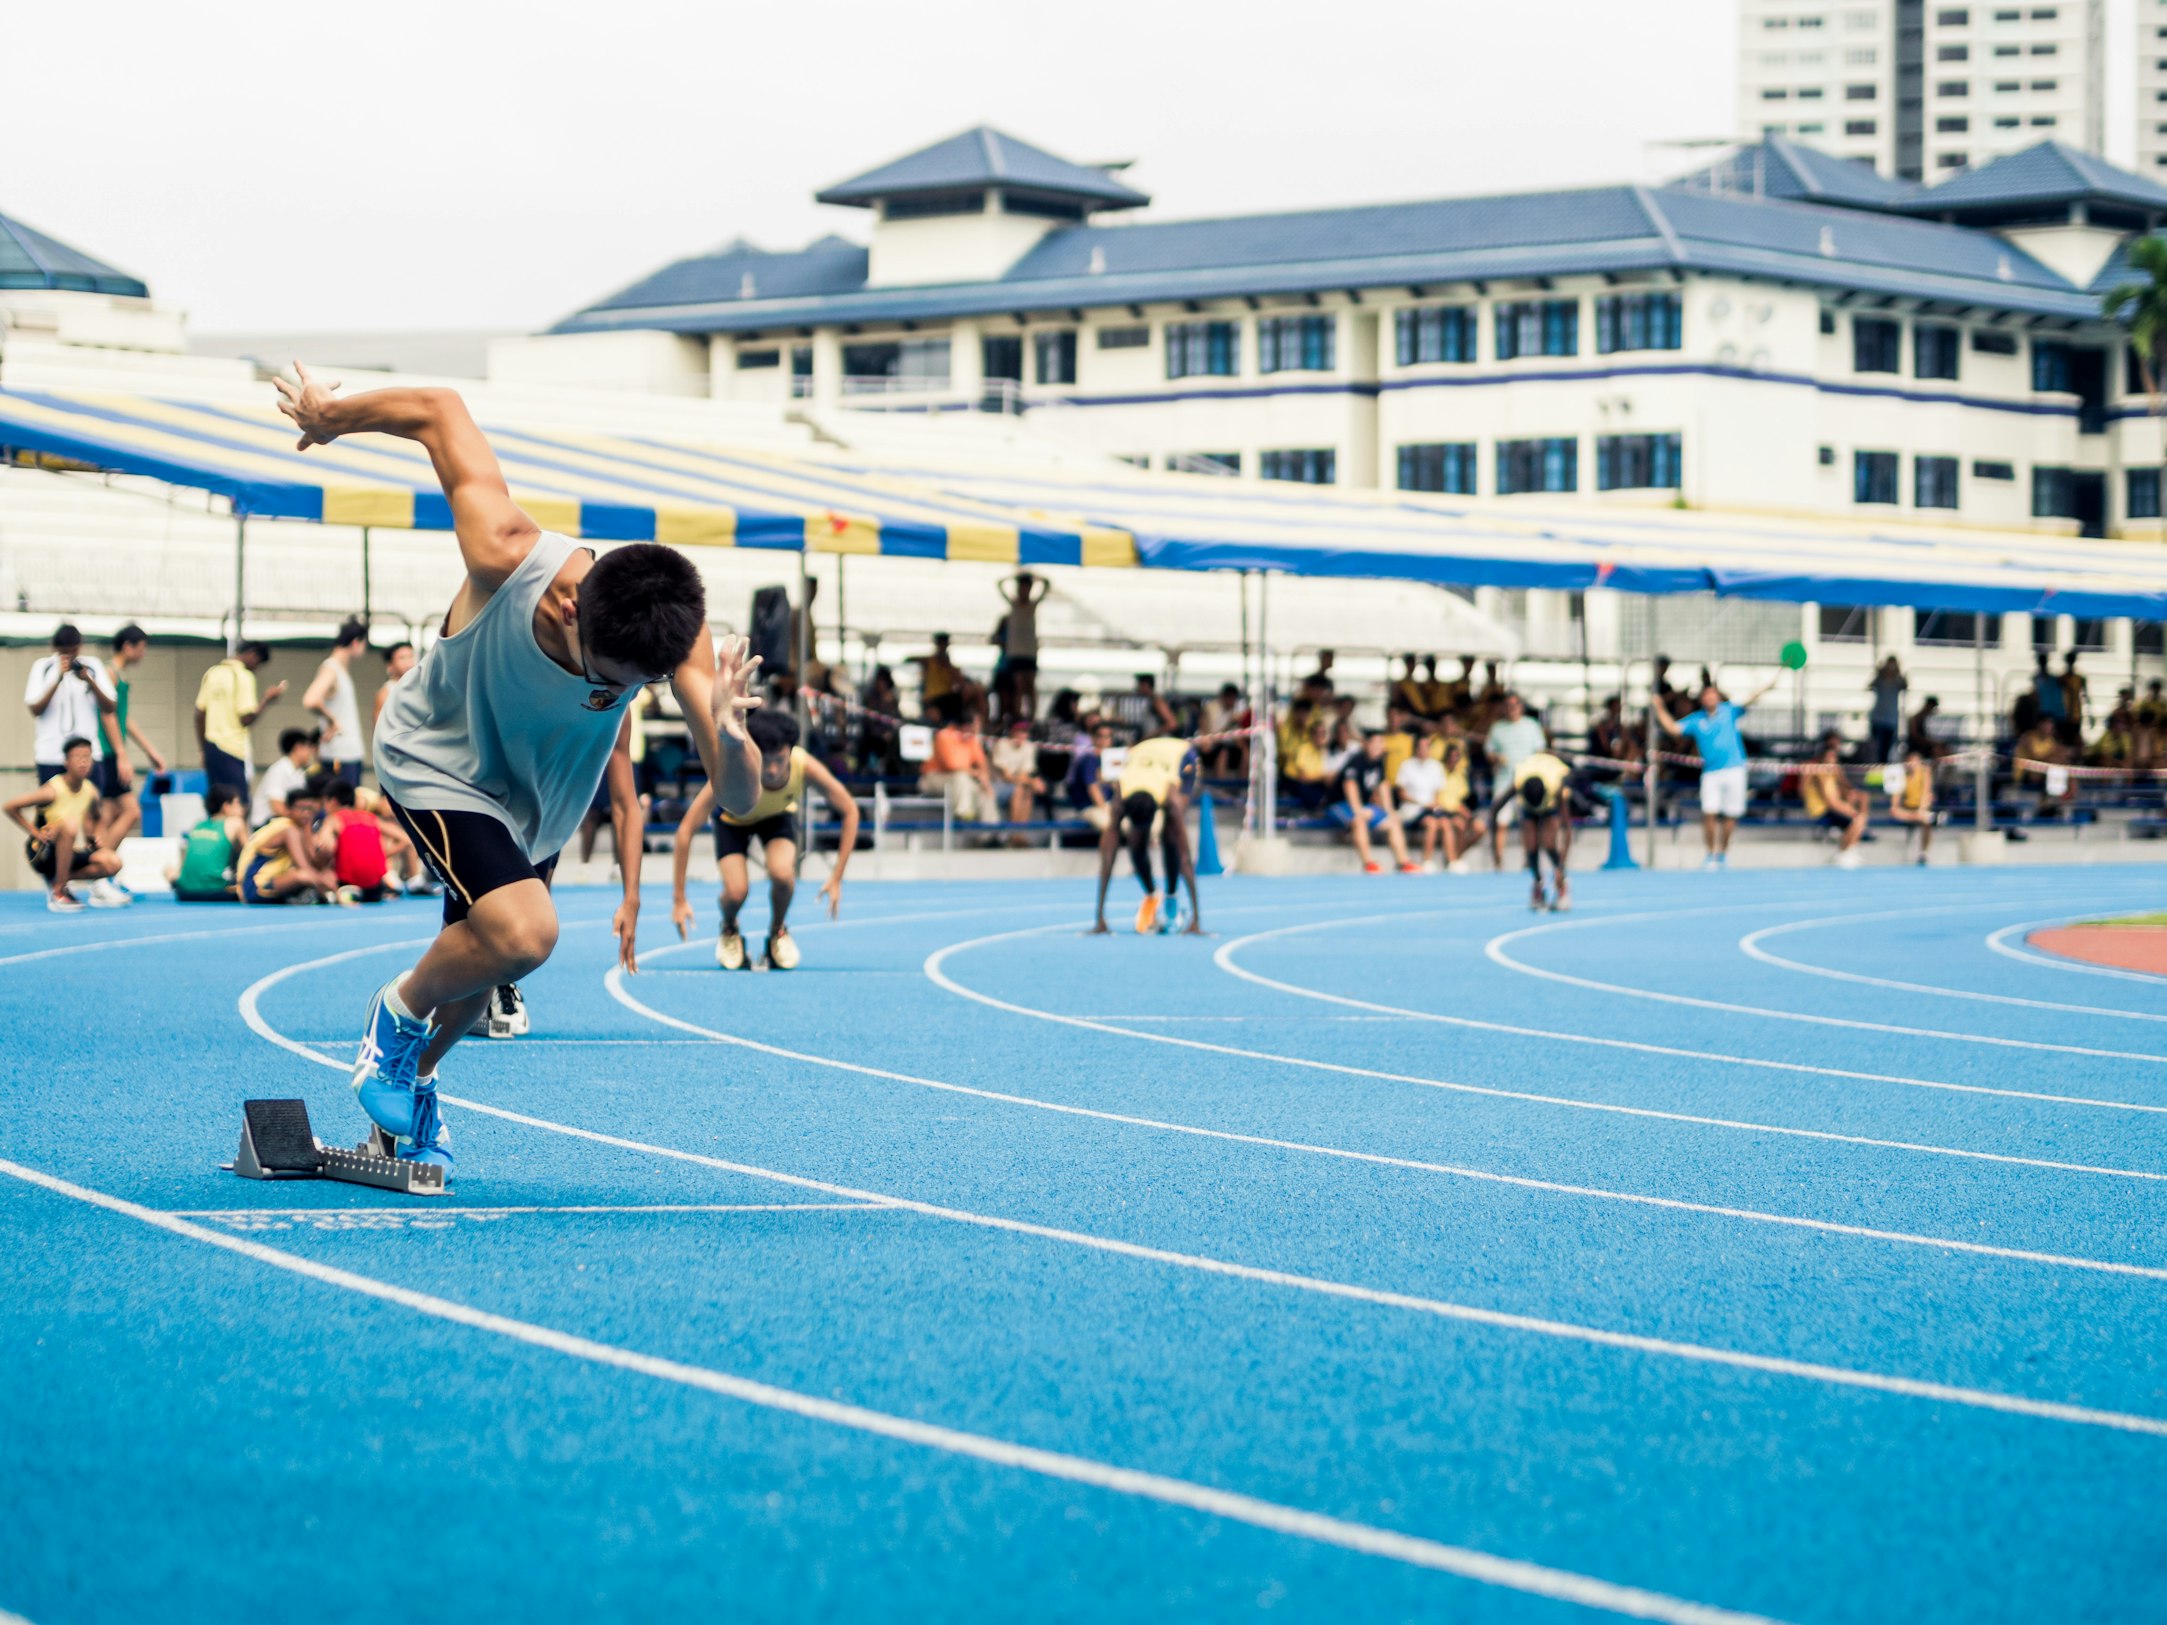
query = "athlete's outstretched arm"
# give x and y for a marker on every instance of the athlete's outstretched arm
(628, 830)
(846, 808)
(688, 828)
(1109, 844)
(714, 690)
(494, 534)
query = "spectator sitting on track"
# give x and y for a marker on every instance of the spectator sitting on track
(1832, 802)
(358, 859)
(1714, 731)
(1512, 739)
(1015, 771)
(61, 846)
(1364, 803)
(283, 861)
(210, 849)
(1911, 800)
(957, 768)
(1085, 785)
(2035, 753)
(296, 762)
(227, 706)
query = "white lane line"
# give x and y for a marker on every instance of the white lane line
(1223, 958)
(1482, 1567)
(1482, 1175)
(334, 917)
(1981, 1399)
(1999, 942)
(935, 969)
(1751, 946)
(494, 1212)
(1495, 949)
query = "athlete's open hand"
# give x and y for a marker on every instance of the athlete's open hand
(833, 892)
(681, 917)
(626, 923)
(736, 667)
(309, 404)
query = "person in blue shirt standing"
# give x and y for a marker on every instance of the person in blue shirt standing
(1714, 732)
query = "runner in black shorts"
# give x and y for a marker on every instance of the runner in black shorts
(773, 822)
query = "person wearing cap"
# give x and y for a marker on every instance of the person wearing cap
(785, 769)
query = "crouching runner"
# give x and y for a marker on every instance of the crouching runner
(490, 749)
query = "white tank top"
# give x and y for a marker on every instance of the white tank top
(488, 723)
(345, 745)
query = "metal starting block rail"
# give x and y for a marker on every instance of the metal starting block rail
(277, 1142)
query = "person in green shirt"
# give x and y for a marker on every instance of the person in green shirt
(205, 872)
(122, 813)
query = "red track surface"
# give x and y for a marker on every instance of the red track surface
(2125, 947)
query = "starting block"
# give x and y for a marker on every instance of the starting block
(277, 1142)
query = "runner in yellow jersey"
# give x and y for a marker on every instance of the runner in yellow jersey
(785, 770)
(1157, 781)
(1542, 784)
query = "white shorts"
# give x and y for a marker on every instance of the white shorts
(1723, 792)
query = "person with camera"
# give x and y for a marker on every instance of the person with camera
(70, 696)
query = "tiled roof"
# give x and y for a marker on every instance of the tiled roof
(1780, 168)
(2051, 172)
(984, 157)
(30, 259)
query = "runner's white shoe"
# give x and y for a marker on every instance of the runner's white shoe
(730, 951)
(104, 894)
(782, 950)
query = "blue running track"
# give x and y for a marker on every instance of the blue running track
(1781, 1245)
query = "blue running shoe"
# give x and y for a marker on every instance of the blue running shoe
(431, 1140)
(391, 1047)
(1174, 916)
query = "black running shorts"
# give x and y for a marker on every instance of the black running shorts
(735, 840)
(471, 853)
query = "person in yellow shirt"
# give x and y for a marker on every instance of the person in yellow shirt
(1542, 784)
(227, 706)
(785, 770)
(1911, 802)
(1832, 802)
(1157, 781)
(1399, 741)
(60, 845)
(283, 861)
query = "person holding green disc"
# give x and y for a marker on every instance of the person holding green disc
(1714, 732)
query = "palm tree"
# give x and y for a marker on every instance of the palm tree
(2141, 307)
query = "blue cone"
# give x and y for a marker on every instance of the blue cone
(1207, 839)
(1621, 829)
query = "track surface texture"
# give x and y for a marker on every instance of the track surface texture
(1752, 1246)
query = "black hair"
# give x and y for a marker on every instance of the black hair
(643, 604)
(334, 789)
(395, 648)
(131, 633)
(262, 651)
(290, 737)
(1139, 809)
(351, 631)
(772, 730)
(314, 789)
(71, 742)
(67, 635)
(1532, 792)
(949, 709)
(219, 797)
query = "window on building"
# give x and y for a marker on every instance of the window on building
(2007, 87)
(1125, 338)
(1874, 477)
(1858, 126)
(758, 360)
(1952, 53)
(1936, 351)
(1933, 482)
(2046, 50)
(2053, 496)
(1775, 95)
(1989, 342)
(2045, 121)
(1538, 465)
(1952, 88)
(2008, 50)
(1296, 343)
(1989, 469)
(1828, 322)
(1952, 160)
(1825, 456)
(1810, 93)
(1055, 356)
(1638, 321)
(2142, 493)
(1318, 467)
(1960, 628)
(1227, 462)
(2088, 633)
(2053, 369)
(1845, 623)
(801, 369)
(1203, 349)
(1537, 327)
(2149, 638)
(919, 363)
(1861, 93)
(2008, 123)
(1861, 56)
(1638, 462)
(1811, 129)
(1426, 333)
(1877, 344)
(1958, 125)
(1448, 467)
(2008, 16)
(1001, 355)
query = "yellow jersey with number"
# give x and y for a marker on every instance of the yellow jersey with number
(1546, 770)
(774, 803)
(1156, 767)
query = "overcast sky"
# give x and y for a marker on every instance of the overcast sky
(450, 164)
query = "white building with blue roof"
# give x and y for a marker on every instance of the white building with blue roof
(1781, 332)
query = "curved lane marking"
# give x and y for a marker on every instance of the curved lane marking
(1999, 942)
